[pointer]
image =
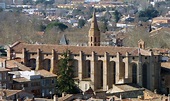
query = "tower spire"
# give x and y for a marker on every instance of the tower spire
(94, 32)
(94, 24)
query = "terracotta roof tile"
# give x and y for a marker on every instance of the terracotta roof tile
(161, 50)
(13, 64)
(21, 79)
(100, 50)
(161, 18)
(9, 92)
(10, 64)
(22, 67)
(2, 59)
(4, 70)
(45, 73)
(165, 65)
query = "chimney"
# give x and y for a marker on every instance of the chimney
(5, 64)
(18, 99)
(63, 94)
(55, 97)
(120, 96)
(33, 99)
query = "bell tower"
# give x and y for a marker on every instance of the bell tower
(141, 44)
(94, 32)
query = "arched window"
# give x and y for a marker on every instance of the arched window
(47, 64)
(144, 75)
(32, 63)
(134, 73)
(100, 73)
(75, 68)
(122, 70)
(111, 74)
(87, 69)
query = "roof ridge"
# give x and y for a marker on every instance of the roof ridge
(16, 43)
(77, 46)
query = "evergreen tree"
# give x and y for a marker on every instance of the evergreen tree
(148, 14)
(117, 15)
(2, 51)
(104, 26)
(56, 24)
(65, 75)
(81, 23)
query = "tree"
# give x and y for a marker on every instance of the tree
(117, 16)
(3, 51)
(81, 23)
(77, 12)
(27, 2)
(103, 25)
(135, 35)
(65, 81)
(1, 9)
(161, 7)
(59, 25)
(147, 14)
(45, 2)
(41, 27)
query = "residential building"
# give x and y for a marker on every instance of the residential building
(14, 95)
(161, 20)
(158, 0)
(5, 79)
(18, 2)
(165, 74)
(2, 5)
(39, 82)
(7, 2)
(62, 1)
(77, 1)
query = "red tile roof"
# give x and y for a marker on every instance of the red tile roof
(100, 50)
(9, 92)
(165, 65)
(45, 73)
(10, 64)
(21, 79)
(4, 70)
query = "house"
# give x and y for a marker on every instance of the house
(165, 74)
(77, 1)
(161, 20)
(39, 82)
(5, 79)
(14, 95)
(12, 65)
(2, 5)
